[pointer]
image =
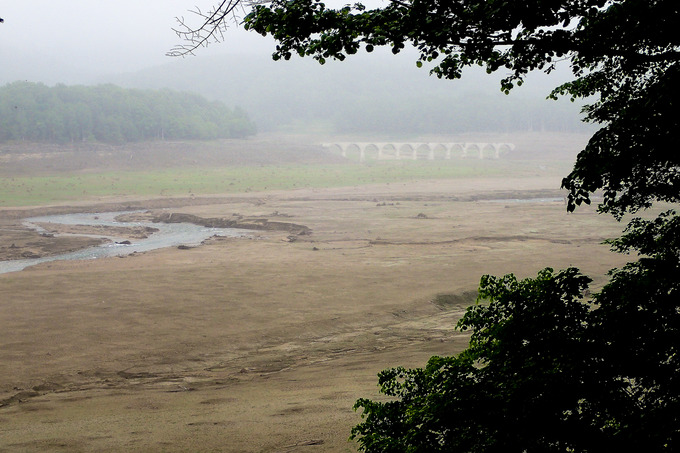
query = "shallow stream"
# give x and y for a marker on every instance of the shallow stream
(168, 235)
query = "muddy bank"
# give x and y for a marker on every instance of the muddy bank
(237, 222)
(21, 242)
(24, 244)
(57, 239)
(134, 232)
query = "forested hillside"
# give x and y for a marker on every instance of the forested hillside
(110, 114)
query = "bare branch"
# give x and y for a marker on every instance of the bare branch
(212, 27)
(215, 22)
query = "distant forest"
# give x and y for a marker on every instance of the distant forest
(110, 114)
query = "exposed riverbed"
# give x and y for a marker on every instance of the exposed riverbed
(120, 238)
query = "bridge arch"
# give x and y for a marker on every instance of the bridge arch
(353, 151)
(473, 150)
(371, 152)
(456, 150)
(404, 151)
(439, 151)
(489, 151)
(335, 148)
(503, 148)
(422, 151)
(389, 151)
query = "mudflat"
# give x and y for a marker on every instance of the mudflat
(263, 343)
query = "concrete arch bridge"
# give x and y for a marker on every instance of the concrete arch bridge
(419, 150)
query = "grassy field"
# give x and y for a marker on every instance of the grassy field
(40, 174)
(39, 190)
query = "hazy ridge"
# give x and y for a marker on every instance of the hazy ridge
(378, 94)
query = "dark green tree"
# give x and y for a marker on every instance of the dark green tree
(107, 113)
(545, 369)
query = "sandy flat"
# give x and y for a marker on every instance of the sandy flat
(263, 344)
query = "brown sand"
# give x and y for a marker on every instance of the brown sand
(264, 344)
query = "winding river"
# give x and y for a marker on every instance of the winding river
(168, 235)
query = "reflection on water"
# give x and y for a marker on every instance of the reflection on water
(168, 235)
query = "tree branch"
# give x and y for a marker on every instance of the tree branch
(400, 3)
(212, 27)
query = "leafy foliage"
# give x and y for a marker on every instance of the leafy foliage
(110, 114)
(545, 370)
(499, 394)
(632, 158)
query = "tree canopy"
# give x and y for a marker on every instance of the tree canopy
(546, 369)
(110, 114)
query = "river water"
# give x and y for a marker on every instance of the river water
(168, 235)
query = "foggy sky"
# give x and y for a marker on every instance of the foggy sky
(75, 40)
(79, 41)
(125, 41)
(83, 41)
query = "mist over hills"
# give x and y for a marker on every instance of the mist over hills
(377, 94)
